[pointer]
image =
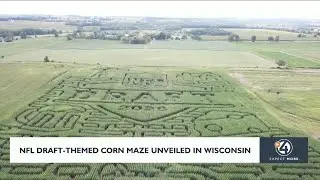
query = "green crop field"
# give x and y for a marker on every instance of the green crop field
(292, 61)
(198, 93)
(141, 102)
(294, 93)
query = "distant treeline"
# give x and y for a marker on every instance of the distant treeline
(27, 18)
(82, 24)
(122, 27)
(150, 26)
(211, 26)
(210, 32)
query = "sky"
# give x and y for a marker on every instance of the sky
(184, 9)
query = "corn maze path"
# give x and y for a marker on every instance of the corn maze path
(126, 102)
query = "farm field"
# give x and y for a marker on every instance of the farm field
(190, 88)
(21, 24)
(150, 57)
(263, 34)
(22, 46)
(291, 60)
(141, 102)
(310, 54)
(21, 83)
(170, 53)
(297, 54)
(294, 93)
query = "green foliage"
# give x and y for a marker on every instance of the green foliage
(209, 31)
(28, 31)
(23, 35)
(270, 38)
(46, 59)
(253, 38)
(56, 34)
(233, 37)
(281, 62)
(196, 37)
(125, 40)
(69, 37)
(7, 36)
(162, 36)
(136, 40)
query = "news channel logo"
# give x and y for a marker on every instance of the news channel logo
(283, 150)
(283, 147)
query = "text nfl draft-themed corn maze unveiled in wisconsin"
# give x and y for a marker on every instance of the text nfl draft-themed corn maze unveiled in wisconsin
(135, 103)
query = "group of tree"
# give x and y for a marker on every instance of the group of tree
(271, 38)
(233, 37)
(82, 24)
(161, 36)
(95, 35)
(196, 37)
(136, 39)
(69, 37)
(8, 35)
(209, 32)
(302, 35)
(32, 31)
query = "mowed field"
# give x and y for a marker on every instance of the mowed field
(263, 34)
(206, 89)
(171, 53)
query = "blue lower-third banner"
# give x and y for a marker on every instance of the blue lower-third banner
(158, 150)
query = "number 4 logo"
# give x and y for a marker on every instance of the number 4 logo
(283, 147)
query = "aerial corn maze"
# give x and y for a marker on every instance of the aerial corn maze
(135, 103)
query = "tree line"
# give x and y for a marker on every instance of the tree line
(209, 31)
(235, 37)
(8, 35)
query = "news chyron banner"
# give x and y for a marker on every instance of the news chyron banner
(158, 150)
